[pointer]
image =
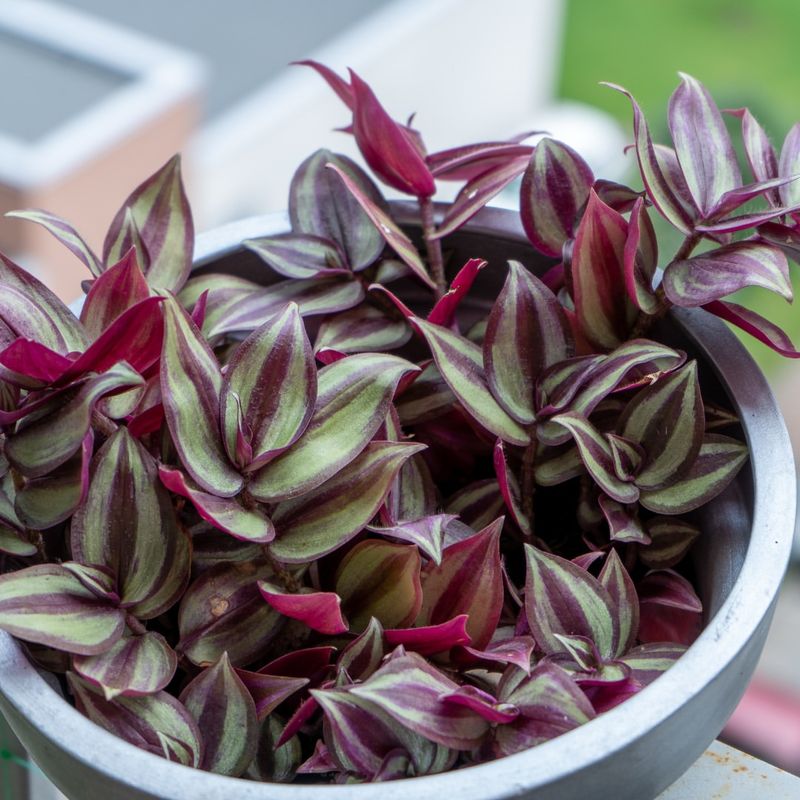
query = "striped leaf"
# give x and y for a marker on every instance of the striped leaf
(410, 691)
(127, 524)
(556, 465)
(598, 271)
(319, 204)
(386, 145)
(380, 580)
(223, 611)
(226, 714)
(526, 333)
(191, 383)
(300, 255)
(157, 722)
(506, 649)
(44, 502)
(353, 398)
(708, 161)
(55, 437)
(413, 495)
(273, 762)
(667, 420)
(641, 259)
(562, 598)
(426, 532)
(269, 691)
(427, 398)
(620, 197)
(116, 290)
(364, 329)
(617, 582)
(327, 517)
(558, 384)
(628, 457)
(477, 503)
(735, 198)
(362, 656)
(460, 362)
(716, 465)
(710, 276)
(130, 238)
(549, 702)
(32, 311)
(477, 192)
(428, 640)
(670, 540)
(468, 161)
(597, 457)
(760, 153)
(554, 190)
(227, 514)
(134, 666)
(790, 165)
(648, 661)
(49, 604)
(660, 189)
(388, 228)
(162, 215)
(745, 221)
(320, 611)
(624, 524)
(65, 233)
(468, 581)
(273, 374)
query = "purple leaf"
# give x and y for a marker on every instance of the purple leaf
(555, 188)
(757, 326)
(760, 153)
(410, 690)
(388, 229)
(624, 525)
(319, 204)
(482, 703)
(227, 514)
(269, 691)
(671, 611)
(300, 255)
(30, 365)
(509, 488)
(65, 234)
(157, 723)
(469, 161)
(641, 259)
(526, 333)
(49, 604)
(790, 165)
(327, 517)
(660, 188)
(191, 383)
(320, 611)
(386, 145)
(426, 532)
(477, 192)
(134, 666)
(381, 580)
(731, 200)
(516, 650)
(444, 312)
(561, 598)
(226, 714)
(162, 215)
(620, 197)
(703, 145)
(740, 223)
(710, 276)
(353, 398)
(429, 639)
(598, 271)
(342, 88)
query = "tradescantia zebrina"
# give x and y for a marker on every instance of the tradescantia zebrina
(272, 549)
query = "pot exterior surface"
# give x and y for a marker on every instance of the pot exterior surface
(630, 753)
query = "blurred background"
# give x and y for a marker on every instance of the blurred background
(96, 95)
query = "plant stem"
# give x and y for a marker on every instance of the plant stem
(528, 482)
(135, 625)
(433, 246)
(645, 321)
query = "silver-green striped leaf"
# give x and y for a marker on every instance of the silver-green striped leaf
(364, 329)
(226, 714)
(460, 362)
(299, 256)
(353, 398)
(329, 516)
(617, 582)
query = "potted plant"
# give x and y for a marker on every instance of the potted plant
(326, 510)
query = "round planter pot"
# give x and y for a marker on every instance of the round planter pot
(632, 752)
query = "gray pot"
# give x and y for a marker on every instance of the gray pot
(635, 750)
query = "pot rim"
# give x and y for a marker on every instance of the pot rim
(748, 602)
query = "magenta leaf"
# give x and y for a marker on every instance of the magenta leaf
(757, 326)
(671, 611)
(226, 714)
(30, 365)
(505, 649)
(386, 145)
(157, 722)
(554, 190)
(410, 691)
(469, 161)
(702, 279)
(561, 598)
(444, 312)
(321, 611)
(641, 259)
(429, 639)
(623, 524)
(509, 488)
(482, 703)
(269, 691)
